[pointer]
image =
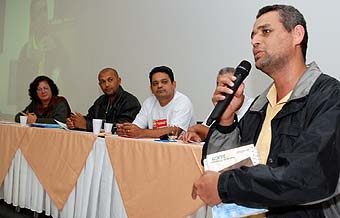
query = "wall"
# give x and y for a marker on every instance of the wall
(72, 40)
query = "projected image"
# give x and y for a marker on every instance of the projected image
(44, 53)
(2, 18)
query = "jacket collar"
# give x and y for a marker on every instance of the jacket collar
(118, 97)
(301, 89)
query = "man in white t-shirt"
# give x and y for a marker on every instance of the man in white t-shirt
(198, 132)
(166, 111)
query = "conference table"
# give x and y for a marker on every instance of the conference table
(79, 174)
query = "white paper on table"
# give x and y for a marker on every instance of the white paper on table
(62, 125)
(7, 122)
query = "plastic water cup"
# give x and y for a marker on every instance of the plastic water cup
(23, 120)
(108, 127)
(97, 125)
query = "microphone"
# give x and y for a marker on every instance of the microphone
(241, 72)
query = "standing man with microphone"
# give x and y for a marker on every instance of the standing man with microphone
(294, 123)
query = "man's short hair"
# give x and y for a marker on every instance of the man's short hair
(290, 18)
(108, 69)
(162, 69)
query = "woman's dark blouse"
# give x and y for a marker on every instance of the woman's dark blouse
(57, 109)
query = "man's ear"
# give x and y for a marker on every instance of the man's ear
(174, 83)
(299, 33)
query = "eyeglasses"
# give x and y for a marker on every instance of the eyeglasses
(43, 89)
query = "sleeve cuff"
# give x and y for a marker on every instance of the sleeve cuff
(228, 129)
(222, 187)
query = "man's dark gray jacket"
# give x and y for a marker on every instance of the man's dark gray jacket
(304, 160)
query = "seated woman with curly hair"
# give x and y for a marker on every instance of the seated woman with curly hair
(46, 105)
